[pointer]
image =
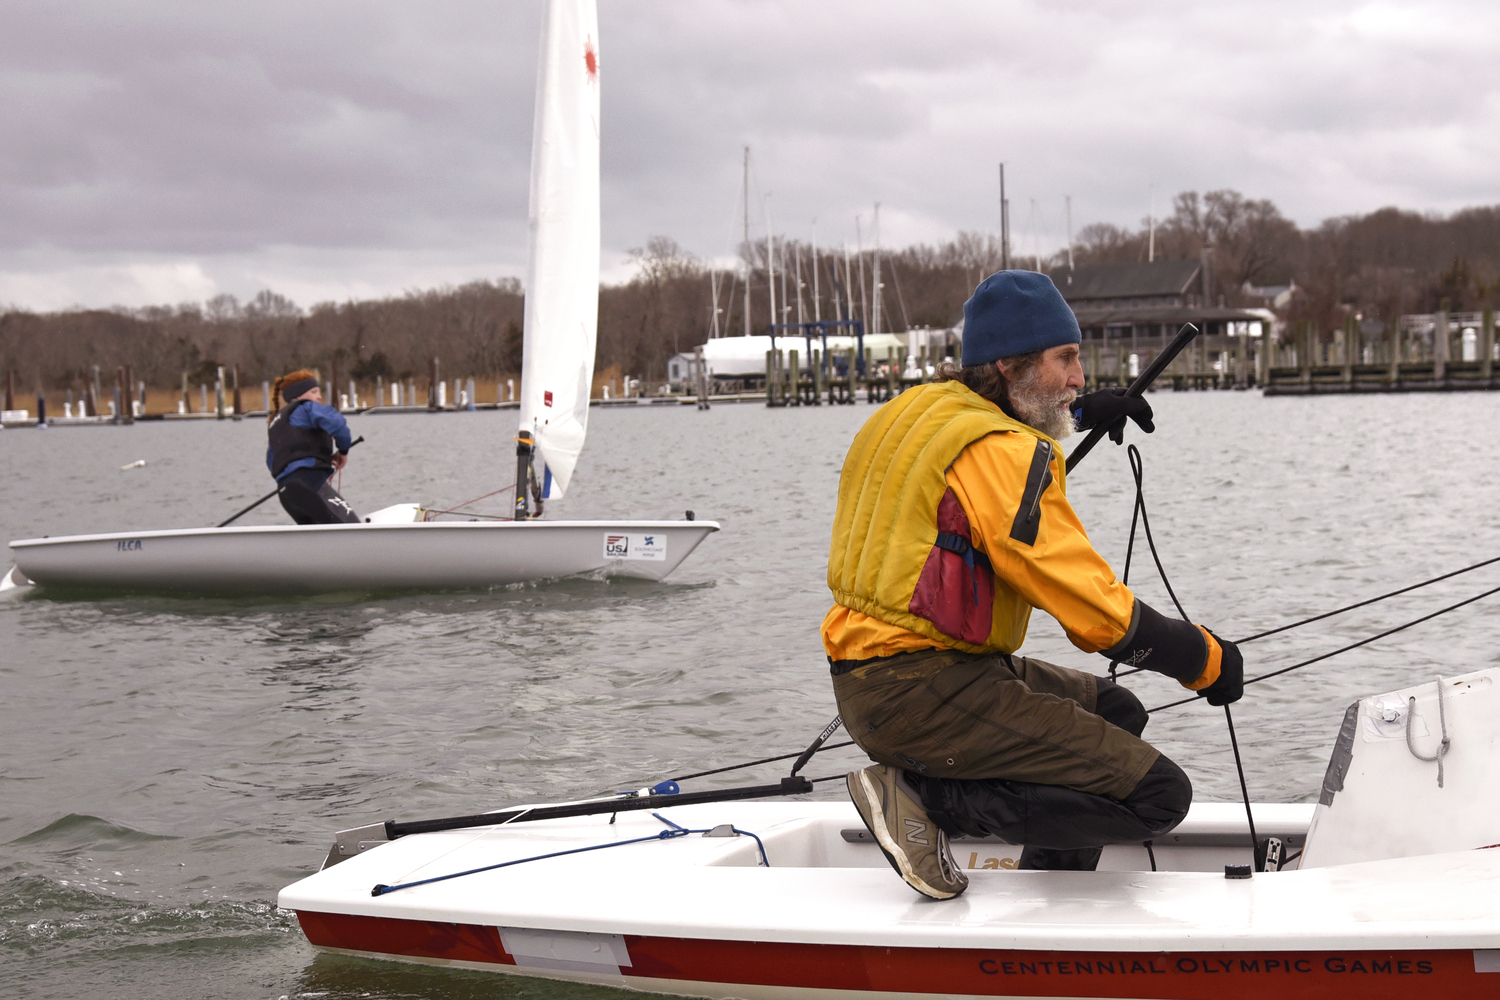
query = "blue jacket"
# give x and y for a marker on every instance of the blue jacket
(314, 416)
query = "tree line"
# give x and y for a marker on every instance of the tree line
(1374, 266)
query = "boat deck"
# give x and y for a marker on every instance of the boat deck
(822, 887)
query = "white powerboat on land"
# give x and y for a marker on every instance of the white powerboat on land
(398, 547)
(1389, 886)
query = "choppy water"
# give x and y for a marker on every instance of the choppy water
(167, 764)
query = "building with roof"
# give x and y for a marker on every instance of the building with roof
(1129, 311)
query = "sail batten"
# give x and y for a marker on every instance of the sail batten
(562, 282)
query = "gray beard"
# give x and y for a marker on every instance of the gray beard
(1048, 410)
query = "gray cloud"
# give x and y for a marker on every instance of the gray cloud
(158, 151)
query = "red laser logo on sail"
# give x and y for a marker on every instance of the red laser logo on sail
(591, 60)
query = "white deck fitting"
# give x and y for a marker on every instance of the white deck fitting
(324, 558)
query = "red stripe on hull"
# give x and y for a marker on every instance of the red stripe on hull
(411, 938)
(1376, 975)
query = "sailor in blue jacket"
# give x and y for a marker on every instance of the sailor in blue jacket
(308, 441)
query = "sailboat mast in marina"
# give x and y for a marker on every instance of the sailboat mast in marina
(562, 279)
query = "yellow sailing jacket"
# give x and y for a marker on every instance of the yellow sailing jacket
(952, 524)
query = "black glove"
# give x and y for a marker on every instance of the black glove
(1230, 686)
(1109, 408)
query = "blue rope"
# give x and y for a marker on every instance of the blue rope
(672, 834)
(744, 833)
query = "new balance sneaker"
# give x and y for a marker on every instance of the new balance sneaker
(911, 842)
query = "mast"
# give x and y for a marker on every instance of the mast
(562, 279)
(747, 241)
(1035, 225)
(713, 284)
(1004, 224)
(849, 309)
(875, 277)
(801, 317)
(1068, 211)
(840, 300)
(1151, 225)
(770, 264)
(864, 291)
(817, 302)
(786, 298)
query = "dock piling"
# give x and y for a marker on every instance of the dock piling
(127, 409)
(1440, 345)
(1487, 345)
(701, 373)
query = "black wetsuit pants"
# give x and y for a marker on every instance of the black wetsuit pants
(308, 495)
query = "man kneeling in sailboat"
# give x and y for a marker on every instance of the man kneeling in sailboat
(309, 440)
(952, 524)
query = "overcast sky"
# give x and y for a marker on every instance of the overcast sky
(166, 152)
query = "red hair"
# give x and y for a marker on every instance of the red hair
(297, 376)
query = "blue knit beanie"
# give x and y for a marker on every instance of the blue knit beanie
(1015, 312)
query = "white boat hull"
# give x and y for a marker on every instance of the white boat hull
(331, 558)
(1415, 915)
(699, 916)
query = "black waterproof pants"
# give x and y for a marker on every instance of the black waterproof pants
(1063, 828)
(1016, 748)
(308, 495)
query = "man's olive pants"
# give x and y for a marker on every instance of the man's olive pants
(1015, 748)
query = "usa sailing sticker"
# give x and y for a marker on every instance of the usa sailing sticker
(624, 546)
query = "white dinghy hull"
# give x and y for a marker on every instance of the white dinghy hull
(791, 899)
(699, 916)
(329, 558)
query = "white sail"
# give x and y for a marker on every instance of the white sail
(562, 283)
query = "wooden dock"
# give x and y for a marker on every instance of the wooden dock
(1217, 362)
(1435, 352)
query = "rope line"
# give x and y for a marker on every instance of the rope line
(1137, 470)
(675, 832)
(1138, 515)
(763, 760)
(1338, 611)
(438, 513)
(1360, 604)
(1135, 511)
(1342, 649)
(1442, 750)
(1244, 790)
